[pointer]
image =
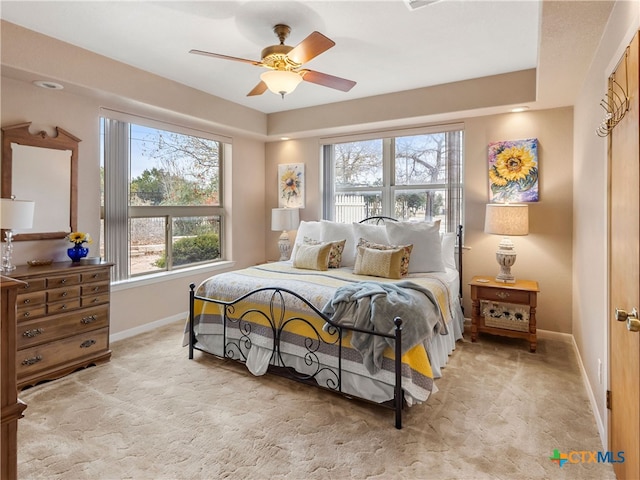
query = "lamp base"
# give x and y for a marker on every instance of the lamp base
(284, 245)
(7, 253)
(506, 257)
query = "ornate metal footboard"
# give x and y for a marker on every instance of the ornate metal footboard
(273, 326)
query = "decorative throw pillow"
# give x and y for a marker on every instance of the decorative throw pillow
(312, 257)
(406, 256)
(335, 254)
(305, 229)
(425, 238)
(378, 263)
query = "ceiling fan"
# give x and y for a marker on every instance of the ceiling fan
(285, 62)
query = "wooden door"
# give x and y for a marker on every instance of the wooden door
(624, 286)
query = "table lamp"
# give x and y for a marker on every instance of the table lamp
(284, 219)
(508, 220)
(14, 214)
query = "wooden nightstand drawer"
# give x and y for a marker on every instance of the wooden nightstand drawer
(503, 295)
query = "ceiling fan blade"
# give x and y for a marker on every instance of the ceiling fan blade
(327, 80)
(259, 89)
(310, 47)
(225, 57)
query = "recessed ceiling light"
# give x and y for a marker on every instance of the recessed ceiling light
(284, 138)
(519, 109)
(48, 84)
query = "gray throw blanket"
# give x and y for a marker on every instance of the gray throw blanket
(374, 306)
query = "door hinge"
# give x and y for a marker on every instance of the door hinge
(608, 399)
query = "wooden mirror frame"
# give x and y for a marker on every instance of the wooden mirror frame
(62, 141)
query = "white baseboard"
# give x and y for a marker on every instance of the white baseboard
(147, 327)
(568, 338)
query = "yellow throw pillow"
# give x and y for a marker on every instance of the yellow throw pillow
(335, 255)
(379, 263)
(404, 266)
(312, 257)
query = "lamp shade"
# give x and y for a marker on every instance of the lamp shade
(507, 219)
(281, 81)
(16, 214)
(285, 219)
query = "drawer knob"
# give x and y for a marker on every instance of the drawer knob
(502, 295)
(95, 289)
(27, 301)
(89, 319)
(32, 360)
(64, 294)
(63, 307)
(33, 332)
(87, 343)
(26, 314)
(64, 280)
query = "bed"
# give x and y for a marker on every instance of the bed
(333, 317)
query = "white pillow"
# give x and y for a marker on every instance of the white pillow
(425, 237)
(305, 229)
(449, 250)
(372, 233)
(334, 232)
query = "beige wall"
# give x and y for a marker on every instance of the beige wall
(544, 255)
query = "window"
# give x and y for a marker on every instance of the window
(409, 177)
(161, 201)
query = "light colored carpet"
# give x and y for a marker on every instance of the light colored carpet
(151, 413)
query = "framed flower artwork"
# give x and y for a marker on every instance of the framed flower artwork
(513, 171)
(291, 185)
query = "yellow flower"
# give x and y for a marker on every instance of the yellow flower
(289, 183)
(79, 238)
(495, 178)
(514, 163)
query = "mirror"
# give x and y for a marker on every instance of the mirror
(43, 169)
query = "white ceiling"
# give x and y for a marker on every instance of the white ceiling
(382, 45)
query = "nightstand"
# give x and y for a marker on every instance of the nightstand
(507, 309)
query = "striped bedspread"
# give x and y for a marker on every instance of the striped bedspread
(251, 339)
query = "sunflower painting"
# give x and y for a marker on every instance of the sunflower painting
(291, 185)
(513, 171)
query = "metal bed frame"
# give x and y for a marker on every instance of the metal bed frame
(236, 349)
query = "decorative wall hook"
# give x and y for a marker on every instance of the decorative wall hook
(616, 103)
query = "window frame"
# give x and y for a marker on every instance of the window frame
(115, 211)
(388, 189)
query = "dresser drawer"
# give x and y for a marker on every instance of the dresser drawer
(92, 300)
(63, 294)
(32, 285)
(31, 299)
(35, 332)
(95, 288)
(100, 276)
(503, 295)
(27, 313)
(62, 307)
(66, 351)
(63, 280)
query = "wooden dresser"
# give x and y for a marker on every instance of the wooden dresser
(62, 319)
(12, 407)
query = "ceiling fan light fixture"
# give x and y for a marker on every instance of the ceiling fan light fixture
(281, 82)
